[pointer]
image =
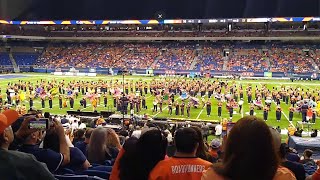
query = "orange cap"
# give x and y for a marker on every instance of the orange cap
(7, 118)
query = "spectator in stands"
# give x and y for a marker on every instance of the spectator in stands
(64, 120)
(282, 150)
(137, 132)
(14, 164)
(316, 175)
(307, 157)
(54, 160)
(249, 154)
(104, 145)
(78, 161)
(78, 136)
(149, 149)
(214, 149)
(309, 164)
(202, 151)
(187, 142)
(82, 145)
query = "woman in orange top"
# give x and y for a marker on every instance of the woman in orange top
(309, 113)
(249, 154)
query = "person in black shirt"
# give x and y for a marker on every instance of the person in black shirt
(60, 101)
(71, 102)
(105, 99)
(265, 113)
(219, 109)
(143, 102)
(295, 167)
(304, 109)
(188, 109)
(208, 104)
(182, 108)
(50, 101)
(31, 100)
(170, 108)
(43, 102)
(278, 113)
(283, 150)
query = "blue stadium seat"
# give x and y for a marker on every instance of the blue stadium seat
(101, 174)
(102, 168)
(72, 177)
(78, 177)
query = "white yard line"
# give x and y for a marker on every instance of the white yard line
(160, 112)
(281, 111)
(199, 114)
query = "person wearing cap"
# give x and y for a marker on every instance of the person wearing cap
(214, 149)
(15, 164)
(54, 160)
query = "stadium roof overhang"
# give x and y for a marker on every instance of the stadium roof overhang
(166, 21)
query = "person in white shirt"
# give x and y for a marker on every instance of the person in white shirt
(218, 129)
(136, 133)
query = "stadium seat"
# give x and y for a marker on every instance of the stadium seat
(101, 174)
(72, 177)
(101, 168)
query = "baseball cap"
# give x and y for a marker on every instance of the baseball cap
(7, 118)
(215, 144)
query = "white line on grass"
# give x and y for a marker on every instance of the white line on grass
(199, 114)
(159, 111)
(281, 111)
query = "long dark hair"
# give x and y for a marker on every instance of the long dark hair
(202, 151)
(141, 157)
(249, 151)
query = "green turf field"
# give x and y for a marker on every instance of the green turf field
(196, 114)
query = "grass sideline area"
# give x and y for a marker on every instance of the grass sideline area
(196, 113)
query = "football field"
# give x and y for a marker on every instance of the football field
(198, 114)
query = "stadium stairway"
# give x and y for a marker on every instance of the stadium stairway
(225, 63)
(314, 64)
(14, 63)
(194, 63)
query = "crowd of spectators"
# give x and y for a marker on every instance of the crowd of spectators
(177, 57)
(247, 60)
(174, 56)
(251, 150)
(211, 58)
(293, 59)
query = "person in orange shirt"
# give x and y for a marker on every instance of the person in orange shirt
(100, 121)
(224, 127)
(184, 164)
(249, 153)
(309, 114)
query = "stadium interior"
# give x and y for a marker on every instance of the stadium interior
(124, 83)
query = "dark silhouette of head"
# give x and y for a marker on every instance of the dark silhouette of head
(141, 157)
(249, 151)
